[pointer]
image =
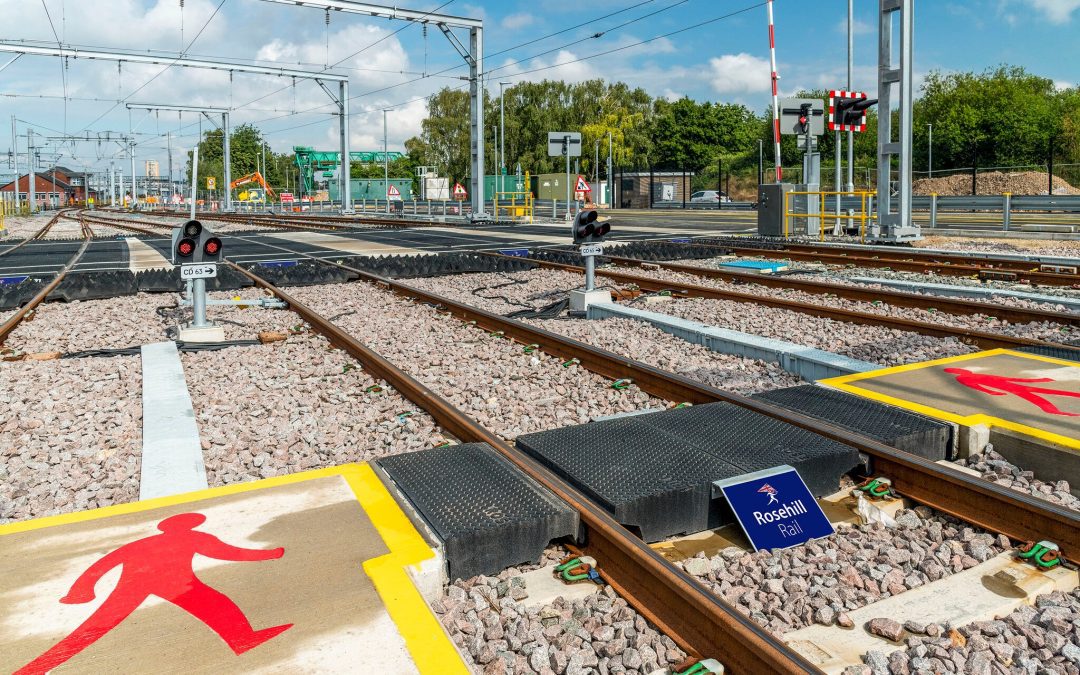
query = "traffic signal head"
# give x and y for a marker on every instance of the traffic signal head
(805, 111)
(847, 110)
(584, 226)
(193, 243)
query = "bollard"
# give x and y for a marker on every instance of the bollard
(555, 209)
(1006, 208)
(933, 210)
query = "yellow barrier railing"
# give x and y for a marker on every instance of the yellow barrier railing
(516, 204)
(863, 215)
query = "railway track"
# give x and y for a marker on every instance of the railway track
(983, 339)
(306, 222)
(40, 234)
(905, 260)
(859, 294)
(698, 621)
(13, 321)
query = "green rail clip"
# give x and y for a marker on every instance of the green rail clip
(529, 349)
(621, 383)
(876, 488)
(374, 389)
(574, 570)
(571, 362)
(701, 667)
(1044, 554)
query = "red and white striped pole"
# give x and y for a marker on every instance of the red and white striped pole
(775, 100)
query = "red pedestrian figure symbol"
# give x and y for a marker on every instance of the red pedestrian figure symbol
(996, 385)
(161, 565)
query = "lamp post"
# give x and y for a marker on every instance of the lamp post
(385, 164)
(502, 138)
(930, 150)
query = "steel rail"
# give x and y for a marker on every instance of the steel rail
(861, 294)
(692, 616)
(905, 263)
(969, 336)
(14, 320)
(968, 498)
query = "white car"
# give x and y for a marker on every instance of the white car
(708, 197)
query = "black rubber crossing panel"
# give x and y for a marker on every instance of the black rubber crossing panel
(488, 514)
(888, 424)
(654, 472)
(1063, 352)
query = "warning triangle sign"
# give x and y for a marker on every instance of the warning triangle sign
(459, 190)
(393, 191)
(582, 186)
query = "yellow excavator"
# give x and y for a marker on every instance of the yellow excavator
(253, 177)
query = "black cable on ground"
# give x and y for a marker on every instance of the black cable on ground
(547, 312)
(182, 346)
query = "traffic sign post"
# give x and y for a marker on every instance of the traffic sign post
(392, 191)
(459, 191)
(566, 144)
(775, 508)
(211, 183)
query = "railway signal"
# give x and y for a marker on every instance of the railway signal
(194, 244)
(847, 110)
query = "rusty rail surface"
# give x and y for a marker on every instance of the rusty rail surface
(862, 294)
(981, 339)
(696, 619)
(14, 320)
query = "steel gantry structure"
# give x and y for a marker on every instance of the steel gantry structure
(225, 147)
(473, 55)
(341, 98)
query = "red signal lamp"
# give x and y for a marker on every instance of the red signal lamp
(212, 247)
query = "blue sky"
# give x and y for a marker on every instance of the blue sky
(726, 60)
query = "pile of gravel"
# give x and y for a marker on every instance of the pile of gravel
(996, 469)
(498, 635)
(116, 323)
(1059, 248)
(492, 379)
(292, 406)
(70, 435)
(506, 293)
(1042, 330)
(876, 344)
(820, 581)
(1040, 639)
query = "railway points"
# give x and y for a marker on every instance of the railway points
(542, 384)
(382, 412)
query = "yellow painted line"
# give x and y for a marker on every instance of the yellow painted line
(845, 383)
(424, 637)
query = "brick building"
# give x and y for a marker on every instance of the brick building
(53, 189)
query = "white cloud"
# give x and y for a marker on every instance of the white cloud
(1058, 11)
(1062, 85)
(516, 21)
(739, 74)
(860, 27)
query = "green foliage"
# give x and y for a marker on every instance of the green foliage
(1007, 114)
(247, 147)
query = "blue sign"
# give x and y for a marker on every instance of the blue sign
(516, 252)
(14, 279)
(775, 508)
(278, 263)
(680, 240)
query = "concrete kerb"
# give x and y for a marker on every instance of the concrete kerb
(806, 362)
(969, 291)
